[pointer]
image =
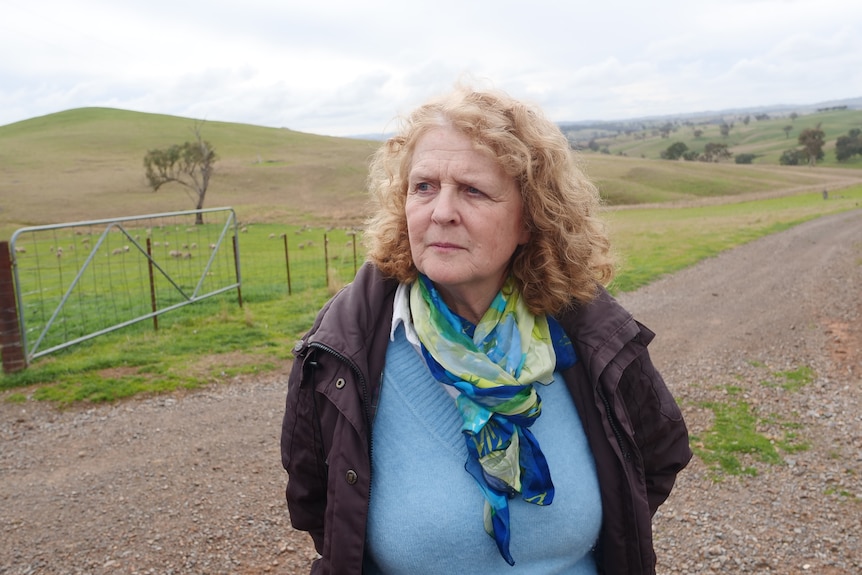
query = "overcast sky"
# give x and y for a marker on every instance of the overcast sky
(345, 67)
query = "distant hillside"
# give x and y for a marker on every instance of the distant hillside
(763, 134)
(88, 164)
(776, 111)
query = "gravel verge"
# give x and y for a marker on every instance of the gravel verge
(192, 482)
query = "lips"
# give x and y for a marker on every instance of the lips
(445, 246)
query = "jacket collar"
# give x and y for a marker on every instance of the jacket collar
(600, 330)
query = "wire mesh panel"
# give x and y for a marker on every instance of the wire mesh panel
(79, 280)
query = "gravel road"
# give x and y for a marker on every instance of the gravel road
(192, 483)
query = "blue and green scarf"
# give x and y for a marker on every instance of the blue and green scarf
(494, 365)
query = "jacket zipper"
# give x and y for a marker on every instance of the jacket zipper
(614, 427)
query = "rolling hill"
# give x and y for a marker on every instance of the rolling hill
(88, 164)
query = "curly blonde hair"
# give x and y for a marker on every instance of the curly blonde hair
(568, 255)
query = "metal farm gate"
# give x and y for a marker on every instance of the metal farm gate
(76, 281)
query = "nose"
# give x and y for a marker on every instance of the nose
(445, 206)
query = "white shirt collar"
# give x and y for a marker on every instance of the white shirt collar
(401, 314)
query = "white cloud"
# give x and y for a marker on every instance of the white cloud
(343, 67)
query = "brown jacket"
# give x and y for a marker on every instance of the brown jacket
(635, 429)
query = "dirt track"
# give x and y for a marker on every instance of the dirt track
(193, 484)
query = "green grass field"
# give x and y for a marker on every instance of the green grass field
(86, 164)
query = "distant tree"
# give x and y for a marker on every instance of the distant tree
(675, 151)
(812, 140)
(690, 155)
(792, 157)
(698, 133)
(666, 129)
(793, 116)
(787, 130)
(746, 120)
(593, 145)
(848, 146)
(725, 129)
(714, 152)
(189, 164)
(761, 117)
(744, 158)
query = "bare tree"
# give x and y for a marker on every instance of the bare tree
(189, 164)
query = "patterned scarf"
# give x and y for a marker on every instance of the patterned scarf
(494, 365)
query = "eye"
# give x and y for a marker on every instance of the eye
(422, 188)
(473, 191)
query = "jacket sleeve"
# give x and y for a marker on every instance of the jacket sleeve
(302, 455)
(659, 429)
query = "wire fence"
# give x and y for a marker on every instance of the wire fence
(282, 260)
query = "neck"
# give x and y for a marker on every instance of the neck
(471, 306)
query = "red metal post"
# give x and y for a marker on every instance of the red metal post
(10, 326)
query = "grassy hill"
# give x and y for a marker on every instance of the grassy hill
(88, 164)
(766, 138)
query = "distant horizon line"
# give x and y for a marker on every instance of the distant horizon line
(851, 102)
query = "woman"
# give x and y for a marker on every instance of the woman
(475, 401)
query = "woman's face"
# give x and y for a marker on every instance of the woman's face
(464, 219)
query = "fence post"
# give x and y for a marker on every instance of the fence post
(236, 268)
(354, 252)
(287, 263)
(153, 303)
(10, 327)
(326, 257)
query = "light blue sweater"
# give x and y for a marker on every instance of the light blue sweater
(425, 513)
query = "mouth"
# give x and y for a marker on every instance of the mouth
(445, 246)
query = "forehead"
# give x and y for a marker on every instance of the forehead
(446, 148)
